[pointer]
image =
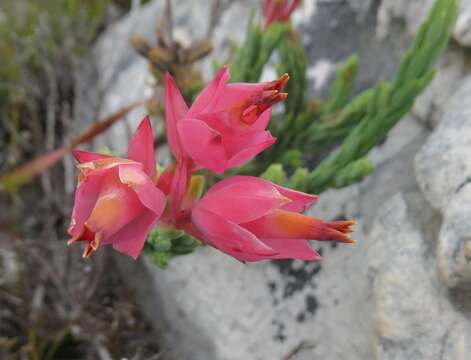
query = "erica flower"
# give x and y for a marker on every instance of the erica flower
(226, 125)
(253, 219)
(116, 201)
(278, 10)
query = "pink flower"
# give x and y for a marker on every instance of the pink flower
(117, 202)
(278, 10)
(225, 126)
(253, 219)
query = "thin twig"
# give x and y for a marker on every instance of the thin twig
(53, 276)
(169, 25)
(216, 10)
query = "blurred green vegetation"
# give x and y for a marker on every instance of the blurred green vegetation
(164, 244)
(42, 42)
(34, 29)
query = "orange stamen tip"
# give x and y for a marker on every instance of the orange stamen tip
(346, 240)
(74, 239)
(93, 245)
(283, 79)
(279, 83)
(344, 226)
(87, 252)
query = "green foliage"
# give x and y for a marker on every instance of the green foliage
(164, 244)
(256, 50)
(333, 128)
(293, 61)
(392, 101)
(307, 130)
(275, 173)
(342, 87)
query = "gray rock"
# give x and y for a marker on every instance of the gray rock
(443, 170)
(451, 70)
(443, 166)
(412, 12)
(454, 245)
(415, 12)
(212, 307)
(414, 319)
(453, 66)
(462, 31)
(336, 30)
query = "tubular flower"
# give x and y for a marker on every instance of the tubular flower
(225, 126)
(116, 201)
(253, 219)
(278, 10)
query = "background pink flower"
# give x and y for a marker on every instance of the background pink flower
(278, 10)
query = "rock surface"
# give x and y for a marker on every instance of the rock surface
(335, 30)
(454, 245)
(462, 31)
(452, 69)
(443, 166)
(414, 12)
(414, 319)
(443, 170)
(454, 64)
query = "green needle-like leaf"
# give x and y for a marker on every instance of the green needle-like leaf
(390, 102)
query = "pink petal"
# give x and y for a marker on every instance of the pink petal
(290, 8)
(131, 239)
(203, 144)
(116, 205)
(288, 224)
(269, 11)
(149, 195)
(249, 146)
(292, 249)
(240, 179)
(242, 201)
(209, 92)
(195, 136)
(141, 147)
(300, 201)
(86, 156)
(85, 198)
(262, 121)
(175, 110)
(229, 237)
(217, 121)
(179, 186)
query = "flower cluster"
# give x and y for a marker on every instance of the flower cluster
(119, 200)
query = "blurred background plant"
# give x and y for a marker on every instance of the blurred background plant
(52, 307)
